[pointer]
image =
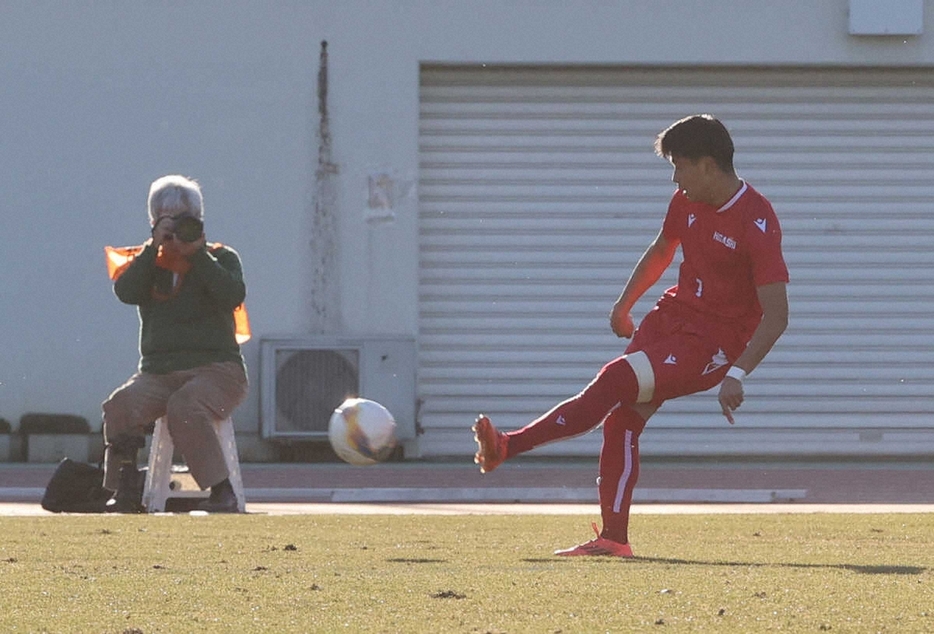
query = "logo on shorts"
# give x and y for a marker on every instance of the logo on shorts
(671, 360)
(691, 219)
(717, 361)
(560, 420)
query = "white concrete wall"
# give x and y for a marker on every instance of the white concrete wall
(99, 98)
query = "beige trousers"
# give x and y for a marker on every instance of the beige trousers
(192, 401)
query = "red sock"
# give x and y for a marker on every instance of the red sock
(614, 384)
(619, 471)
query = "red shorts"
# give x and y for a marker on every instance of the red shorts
(687, 354)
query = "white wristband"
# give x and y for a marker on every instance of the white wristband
(736, 373)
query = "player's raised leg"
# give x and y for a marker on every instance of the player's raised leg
(492, 444)
(626, 380)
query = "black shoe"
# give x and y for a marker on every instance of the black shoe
(129, 495)
(222, 500)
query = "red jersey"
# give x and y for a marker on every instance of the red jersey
(728, 252)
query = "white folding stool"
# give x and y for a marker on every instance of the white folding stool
(159, 475)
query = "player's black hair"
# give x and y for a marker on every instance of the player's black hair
(695, 137)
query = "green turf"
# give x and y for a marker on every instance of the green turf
(476, 574)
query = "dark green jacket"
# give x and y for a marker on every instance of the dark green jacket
(194, 327)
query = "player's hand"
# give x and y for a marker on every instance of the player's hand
(621, 321)
(731, 397)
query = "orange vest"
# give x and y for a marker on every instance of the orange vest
(119, 258)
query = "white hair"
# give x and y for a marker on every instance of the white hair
(175, 194)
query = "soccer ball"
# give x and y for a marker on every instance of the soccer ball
(362, 432)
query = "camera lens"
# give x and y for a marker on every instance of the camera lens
(188, 228)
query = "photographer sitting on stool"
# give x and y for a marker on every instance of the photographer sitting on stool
(191, 370)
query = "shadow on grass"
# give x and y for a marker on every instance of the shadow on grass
(416, 560)
(860, 569)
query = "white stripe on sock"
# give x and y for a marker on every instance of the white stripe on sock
(627, 471)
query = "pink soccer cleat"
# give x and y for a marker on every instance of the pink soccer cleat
(598, 546)
(491, 443)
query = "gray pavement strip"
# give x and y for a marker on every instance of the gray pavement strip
(32, 509)
(480, 495)
(520, 494)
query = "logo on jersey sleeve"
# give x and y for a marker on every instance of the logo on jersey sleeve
(691, 219)
(671, 360)
(761, 223)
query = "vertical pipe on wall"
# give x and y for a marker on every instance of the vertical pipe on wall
(324, 297)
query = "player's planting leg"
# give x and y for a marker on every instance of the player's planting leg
(616, 383)
(619, 471)
(598, 546)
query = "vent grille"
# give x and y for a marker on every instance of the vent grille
(310, 384)
(304, 379)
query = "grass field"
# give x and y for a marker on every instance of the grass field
(476, 574)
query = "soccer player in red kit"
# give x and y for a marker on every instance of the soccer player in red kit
(725, 314)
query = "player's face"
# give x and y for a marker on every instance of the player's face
(690, 176)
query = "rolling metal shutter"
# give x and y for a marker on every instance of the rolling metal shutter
(539, 191)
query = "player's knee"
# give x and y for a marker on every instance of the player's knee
(624, 419)
(645, 410)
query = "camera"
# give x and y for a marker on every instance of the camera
(186, 227)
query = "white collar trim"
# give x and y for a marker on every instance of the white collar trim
(736, 196)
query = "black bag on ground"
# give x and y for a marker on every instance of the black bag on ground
(76, 487)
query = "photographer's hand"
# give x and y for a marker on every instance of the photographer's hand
(162, 231)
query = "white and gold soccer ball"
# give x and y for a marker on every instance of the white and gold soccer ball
(362, 432)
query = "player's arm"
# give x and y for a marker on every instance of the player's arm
(773, 299)
(647, 271)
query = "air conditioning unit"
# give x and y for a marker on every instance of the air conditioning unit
(304, 379)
